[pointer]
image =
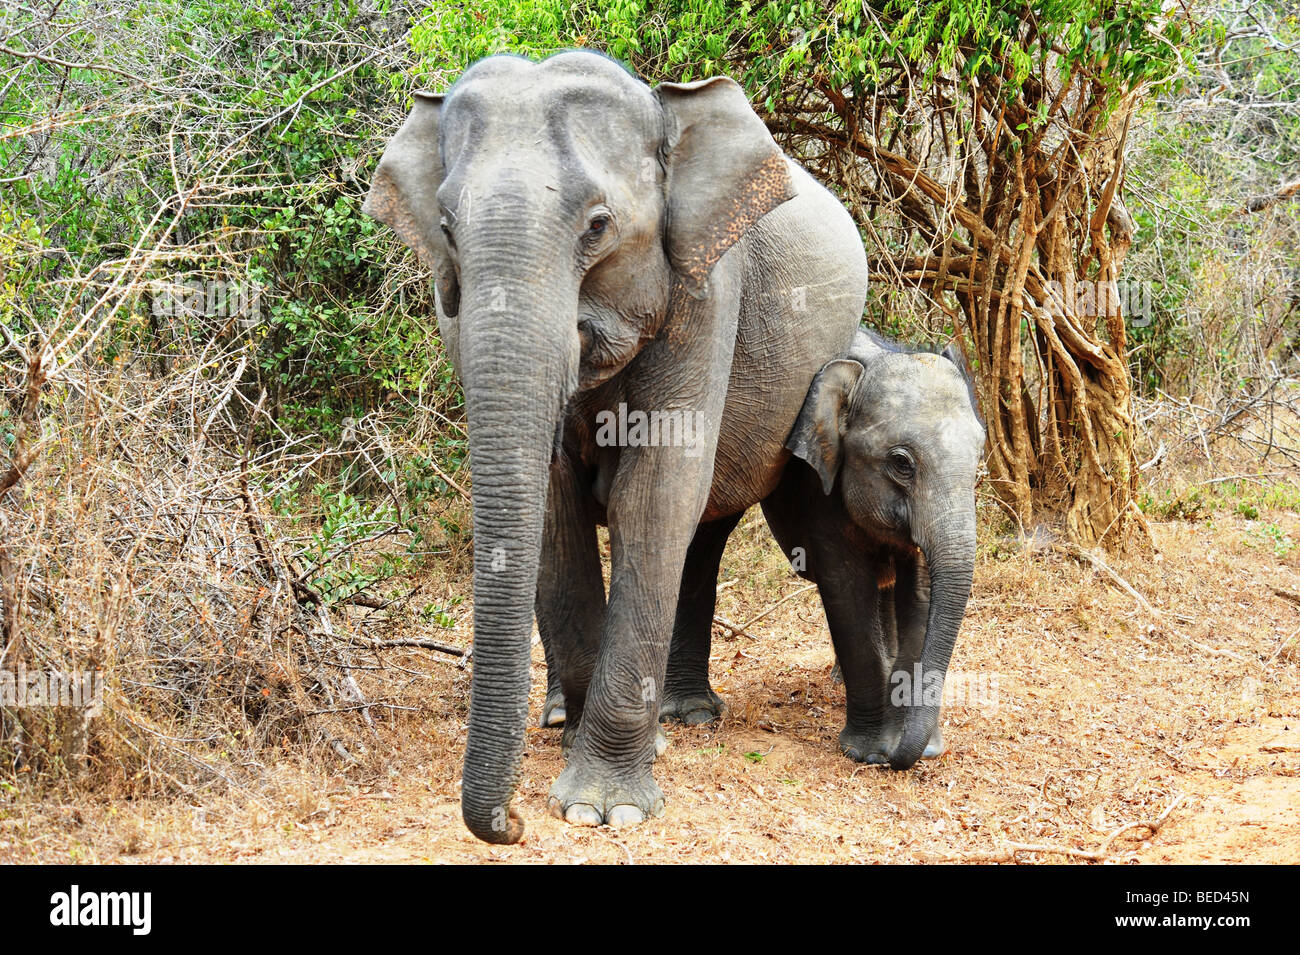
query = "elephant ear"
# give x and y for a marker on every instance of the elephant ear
(818, 435)
(404, 190)
(725, 172)
(953, 352)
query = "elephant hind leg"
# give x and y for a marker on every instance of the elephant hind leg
(553, 711)
(688, 697)
(570, 594)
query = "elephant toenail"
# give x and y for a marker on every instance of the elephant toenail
(625, 816)
(581, 814)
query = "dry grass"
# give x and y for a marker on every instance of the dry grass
(139, 541)
(1107, 714)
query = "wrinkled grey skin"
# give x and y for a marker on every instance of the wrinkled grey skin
(598, 243)
(879, 511)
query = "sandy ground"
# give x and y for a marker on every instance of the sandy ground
(1184, 713)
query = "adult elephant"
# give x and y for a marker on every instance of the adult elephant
(601, 248)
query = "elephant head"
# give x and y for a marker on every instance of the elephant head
(897, 435)
(560, 205)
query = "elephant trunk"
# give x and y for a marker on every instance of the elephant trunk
(949, 551)
(519, 351)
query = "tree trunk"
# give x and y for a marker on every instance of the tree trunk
(1016, 233)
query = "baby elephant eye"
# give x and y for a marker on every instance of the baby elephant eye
(901, 463)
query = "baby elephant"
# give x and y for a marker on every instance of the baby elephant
(877, 507)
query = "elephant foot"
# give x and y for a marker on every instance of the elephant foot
(875, 749)
(553, 712)
(585, 796)
(934, 748)
(661, 742)
(870, 748)
(691, 707)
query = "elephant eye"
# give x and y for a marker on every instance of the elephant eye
(597, 226)
(901, 463)
(446, 231)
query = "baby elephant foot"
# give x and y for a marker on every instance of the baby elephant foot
(872, 748)
(586, 796)
(692, 707)
(553, 713)
(934, 748)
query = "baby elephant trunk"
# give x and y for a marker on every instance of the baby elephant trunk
(951, 563)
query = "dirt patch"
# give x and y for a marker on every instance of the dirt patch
(1107, 713)
(1246, 802)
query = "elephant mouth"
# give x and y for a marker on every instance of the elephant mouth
(608, 344)
(599, 360)
(895, 546)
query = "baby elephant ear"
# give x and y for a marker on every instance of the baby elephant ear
(952, 351)
(818, 434)
(954, 354)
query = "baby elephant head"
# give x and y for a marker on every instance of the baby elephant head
(899, 434)
(897, 437)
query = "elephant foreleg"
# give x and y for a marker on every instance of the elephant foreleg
(608, 777)
(851, 598)
(656, 499)
(813, 529)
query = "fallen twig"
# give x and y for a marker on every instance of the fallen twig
(1101, 566)
(735, 628)
(1009, 851)
(1152, 825)
(462, 652)
(1281, 645)
(755, 619)
(1286, 595)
